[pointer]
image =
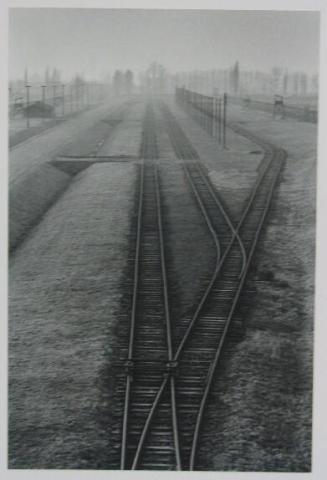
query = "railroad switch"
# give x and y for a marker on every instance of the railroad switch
(171, 368)
(129, 366)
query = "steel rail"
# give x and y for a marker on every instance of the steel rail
(218, 266)
(223, 258)
(168, 323)
(129, 377)
(213, 194)
(225, 215)
(133, 319)
(137, 266)
(169, 348)
(244, 215)
(147, 424)
(214, 363)
(221, 263)
(164, 382)
(173, 358)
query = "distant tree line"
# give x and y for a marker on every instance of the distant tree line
(123, 82)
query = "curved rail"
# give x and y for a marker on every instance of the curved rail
(214, 364)
(226, 216)
(175, 357)
(214, 276)
(274, 154)
(187, 151)
(267, 164)
(222, 257)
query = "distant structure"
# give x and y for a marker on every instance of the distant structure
(39, 109)
(118, 82)
(123, 83)
(129, 82)
(234, 79)
(155, 79)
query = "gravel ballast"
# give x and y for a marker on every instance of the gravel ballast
(32, 190)
(30, 200)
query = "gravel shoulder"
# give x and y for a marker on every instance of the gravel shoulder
(127, 135)
(33, 189)
(266, 385)
(184, 229)
(259, 414)
(64, 292)
(42, 148)
(232, 170)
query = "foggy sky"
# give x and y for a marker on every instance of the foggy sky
(96, 41)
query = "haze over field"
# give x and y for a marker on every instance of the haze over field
(97, 41)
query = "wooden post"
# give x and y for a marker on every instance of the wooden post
(54, 87)
(219, 121)
(43, 101)
(27, 87)
(71, 98)
(215, 116)
(213, 103)
(224, 119)
(87, 95)
(63, 99)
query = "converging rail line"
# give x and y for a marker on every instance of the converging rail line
(170, 371)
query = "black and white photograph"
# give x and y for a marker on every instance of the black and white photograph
(161, 256)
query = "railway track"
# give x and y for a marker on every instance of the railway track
(169, 370)
(146, 397)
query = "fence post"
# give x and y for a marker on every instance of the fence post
(9, 98)
(87, 95)
(54, 88)
(43, 102)
(83, 96)
(224, 120)
(71, 98)
(202, 111)
(214, 116)
(206, 113)
(27, 105)
(219, 121)
(78, 96)
(63, 99)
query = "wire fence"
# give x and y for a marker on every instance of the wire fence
(33, 105)
(305, 113)
(209, 112)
